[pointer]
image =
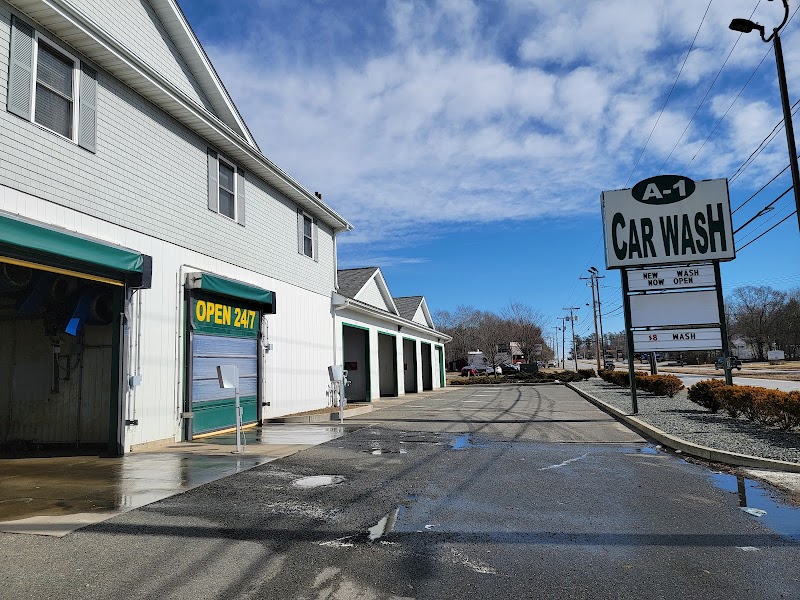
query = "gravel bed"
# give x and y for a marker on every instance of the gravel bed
(682, 418)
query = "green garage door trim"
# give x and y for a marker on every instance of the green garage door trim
(18, 236)
(234, 289)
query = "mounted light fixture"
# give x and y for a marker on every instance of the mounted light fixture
(746, 26)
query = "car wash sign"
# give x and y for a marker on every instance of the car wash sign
(668, 219)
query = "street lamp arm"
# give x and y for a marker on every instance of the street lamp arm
(779, 27)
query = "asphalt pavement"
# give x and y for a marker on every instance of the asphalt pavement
(477, 492)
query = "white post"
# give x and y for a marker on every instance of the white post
(228, 376)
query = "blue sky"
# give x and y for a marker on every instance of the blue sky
(469, 142)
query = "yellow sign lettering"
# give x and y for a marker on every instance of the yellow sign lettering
(200, 311)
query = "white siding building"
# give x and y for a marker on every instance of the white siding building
(389, 346)
(144, 238)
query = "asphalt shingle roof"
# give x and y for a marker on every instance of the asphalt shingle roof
(407, 306)
(352, 280)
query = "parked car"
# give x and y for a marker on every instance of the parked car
(551, 364)
(469, 371)
(510, 368)
(609, 365)
(735, 363)
(498, 370)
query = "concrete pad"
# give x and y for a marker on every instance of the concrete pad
(789, 482)
(55, 495)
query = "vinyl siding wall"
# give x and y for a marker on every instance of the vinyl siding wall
(135, 24)
(295, 376)
(150, 175)
(371, 294)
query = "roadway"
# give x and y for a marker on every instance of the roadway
(690, 379)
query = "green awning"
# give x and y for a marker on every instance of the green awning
(232, 288)
(20, 238)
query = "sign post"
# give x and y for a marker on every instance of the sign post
(723, 327)
(626, 303)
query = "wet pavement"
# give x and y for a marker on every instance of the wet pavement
(54, 495)
(478, 500)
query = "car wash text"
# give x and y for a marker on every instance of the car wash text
(681, 235)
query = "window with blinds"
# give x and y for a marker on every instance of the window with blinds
(308, 239)
(55, 91)
(227, 195)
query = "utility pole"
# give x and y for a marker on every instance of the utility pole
(555, 344)
(563, 343)
(591, 279)
(572, 319)
(597, 278)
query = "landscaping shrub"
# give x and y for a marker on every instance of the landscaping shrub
(739, 400)
(567, 376)
(586, 373)
(659, 385)
(704, 394)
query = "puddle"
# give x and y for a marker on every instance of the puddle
(464, 441)
(756, 500)
(279, 434)
(384, 526)
(315, 481)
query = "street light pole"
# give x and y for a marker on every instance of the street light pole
(591, 279)
(746, 26)
(787, 119)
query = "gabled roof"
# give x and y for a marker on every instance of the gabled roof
(182, 34)
(224, 128)
(368, 285)
(411, 306)
(352, 280)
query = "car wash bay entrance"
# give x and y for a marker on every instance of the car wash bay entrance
(410, 366)
(61, 351)
(355, 355)
(387, 364)
(224, 329)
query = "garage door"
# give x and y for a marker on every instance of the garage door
(214, 407)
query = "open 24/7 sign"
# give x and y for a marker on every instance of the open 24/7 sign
(668, 219)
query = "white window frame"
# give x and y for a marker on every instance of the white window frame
(76, 69)
(303, 233)
(221, 159)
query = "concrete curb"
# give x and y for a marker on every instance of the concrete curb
(712, 454)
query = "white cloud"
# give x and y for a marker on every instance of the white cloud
(535, 106)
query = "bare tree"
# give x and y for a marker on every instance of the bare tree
(491, 335)
(754, 314)
(461, 325)
(524, 325)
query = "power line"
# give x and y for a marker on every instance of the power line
(672, 89)
(717, 124)
(761, 189)
(764, 143)
(708, 91)
(761, 212)
(768, 230)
